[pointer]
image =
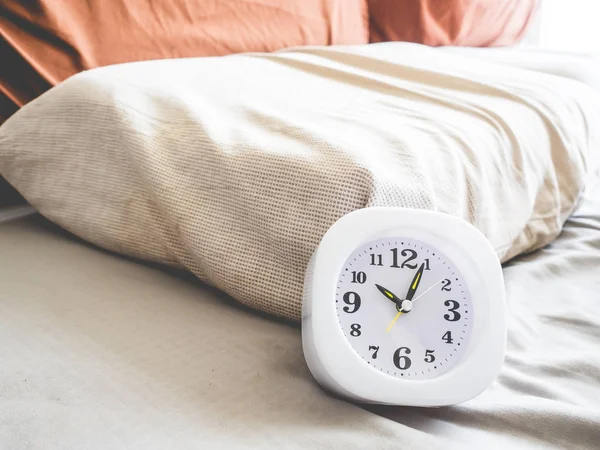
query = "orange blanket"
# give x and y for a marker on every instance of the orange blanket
(43, 42)
(469, 23)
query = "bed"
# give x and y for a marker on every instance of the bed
(99, 351)
(103, 351)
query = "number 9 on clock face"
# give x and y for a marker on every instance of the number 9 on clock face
(375, 281)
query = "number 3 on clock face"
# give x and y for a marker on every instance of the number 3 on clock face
(404, 307)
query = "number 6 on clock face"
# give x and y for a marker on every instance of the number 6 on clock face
(404, 307)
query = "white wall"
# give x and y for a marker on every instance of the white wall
(570, 25)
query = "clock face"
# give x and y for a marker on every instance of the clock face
(404, 307)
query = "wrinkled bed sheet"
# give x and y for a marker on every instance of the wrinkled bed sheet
(98, 352)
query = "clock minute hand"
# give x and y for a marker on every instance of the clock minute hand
(414, 284)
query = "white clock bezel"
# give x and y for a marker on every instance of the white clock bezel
(337, 366)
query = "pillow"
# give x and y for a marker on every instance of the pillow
(474, 23)
(42, 42)
(235, 167)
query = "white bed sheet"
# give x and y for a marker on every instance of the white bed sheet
(97, 352)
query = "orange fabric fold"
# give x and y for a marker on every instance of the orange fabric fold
(44, 42)
(473, 23)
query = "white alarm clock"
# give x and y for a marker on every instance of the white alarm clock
(404, 307)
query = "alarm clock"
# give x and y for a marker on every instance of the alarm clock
(404, 307)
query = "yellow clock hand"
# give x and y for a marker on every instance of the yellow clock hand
(414, 284)
(393, 321)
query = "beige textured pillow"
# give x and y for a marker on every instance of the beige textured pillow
(235, 167)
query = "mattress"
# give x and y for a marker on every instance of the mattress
(98, 351)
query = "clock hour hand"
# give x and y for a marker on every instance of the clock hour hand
(389, 295)
(414, 284)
